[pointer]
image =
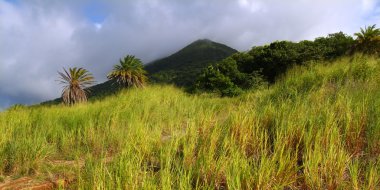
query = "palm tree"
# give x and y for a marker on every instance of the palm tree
(368, 39)
(75, 81)
(129, 72)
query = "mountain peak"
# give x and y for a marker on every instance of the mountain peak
(182, 67)
(204, 42)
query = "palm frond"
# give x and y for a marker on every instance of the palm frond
(76, 82)
(129, 72)
(368, 40)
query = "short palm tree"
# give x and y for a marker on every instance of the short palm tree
(76, 82)
(129, 73)
(368, 39)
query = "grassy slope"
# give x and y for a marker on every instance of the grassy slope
(319, 127)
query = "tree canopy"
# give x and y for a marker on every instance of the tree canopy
(368, 40)
(129, 73)
(262, 64)
(75, 82)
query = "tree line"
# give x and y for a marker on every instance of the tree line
(264, 64)
(253, 69)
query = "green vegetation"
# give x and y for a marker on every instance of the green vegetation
(183, 67)
(226, 79)
(368, 40)
(317, 127)
(129, 73)
(76, 83)
(249, 70)
(307, 118)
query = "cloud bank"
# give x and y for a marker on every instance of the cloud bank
(39, 37)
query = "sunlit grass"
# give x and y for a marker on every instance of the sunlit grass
(316, 128)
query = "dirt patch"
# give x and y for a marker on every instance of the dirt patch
(31, 183)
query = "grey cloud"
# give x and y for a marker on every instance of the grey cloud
(43, 36)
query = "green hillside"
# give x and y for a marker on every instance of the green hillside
(317, 127)
(184, 66)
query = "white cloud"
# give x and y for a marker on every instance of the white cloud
(41, 37)
(368, 5)
(36, 44)
(252, 6)
(98, 26)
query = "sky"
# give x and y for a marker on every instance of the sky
(40, 37)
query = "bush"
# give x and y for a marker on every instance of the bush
(231, 91)
(225, 79)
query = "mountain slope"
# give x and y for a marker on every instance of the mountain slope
(182, 67)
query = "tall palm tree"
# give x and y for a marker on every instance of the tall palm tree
(368, 39)
(76, 82)
(129, 72)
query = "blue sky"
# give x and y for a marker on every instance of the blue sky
(39, 37)
(95, 11)
(13, 1)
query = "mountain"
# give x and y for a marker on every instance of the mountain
(183, 67)
(180, 68)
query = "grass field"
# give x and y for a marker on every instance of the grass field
(317, 128)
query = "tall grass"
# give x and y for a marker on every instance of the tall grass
(317, 128)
